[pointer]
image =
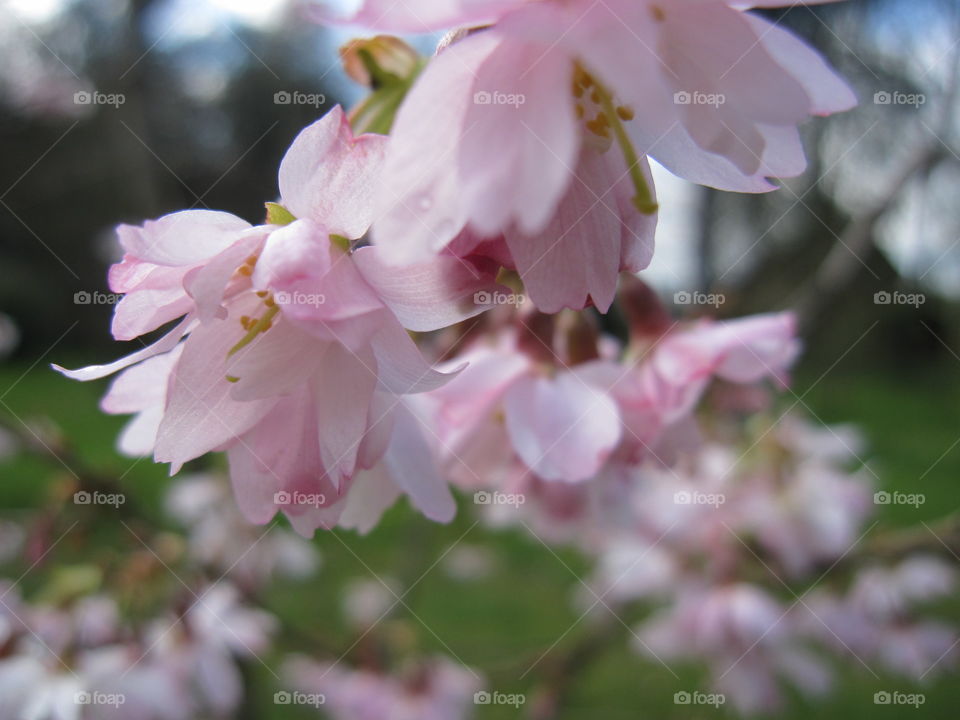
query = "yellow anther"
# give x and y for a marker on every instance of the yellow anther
(625, 113)
(599, 128)
(658, 14)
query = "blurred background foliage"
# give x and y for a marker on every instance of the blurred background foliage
(199, 127)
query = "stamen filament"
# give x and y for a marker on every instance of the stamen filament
(260, 326)
(643, 200)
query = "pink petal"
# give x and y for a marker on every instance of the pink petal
(828, 92)
(141, 389)
(413, 467)
(577, 256)
(343, 390)
(379, 430)
(416, 16)
(536, 137)
(328, 176)
(713, 49)
(144, 311)
(163, 345)
(400, 364)
(763, 346)
(429, 295)
(317, 286)
(679, 154)
(139, 436)
(181, 238)
(562, 429)
(208, 284)
(783, 155)
(201, 414)
(142, 385)
(280, 453)
(419, 203)
(277, 362)
(372, 493)
(134, 274)
(741, 351)
(470, 398)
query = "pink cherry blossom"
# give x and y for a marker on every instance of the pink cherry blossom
(509, 415)
(491, 138)
(561, 428)
(293, 340)
(554, 209)
(668, 382)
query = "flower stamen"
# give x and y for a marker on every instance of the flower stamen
(256, 326)
(616, 116)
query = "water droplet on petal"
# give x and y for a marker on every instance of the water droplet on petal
(424, 202)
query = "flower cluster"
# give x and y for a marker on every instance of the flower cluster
(291, 350)
(521, 149)
(506, 182)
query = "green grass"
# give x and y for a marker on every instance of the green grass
(501, 625)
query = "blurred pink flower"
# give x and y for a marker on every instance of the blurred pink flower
(560, 427)
(669, 379)
(434, 689)
(745, 637)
